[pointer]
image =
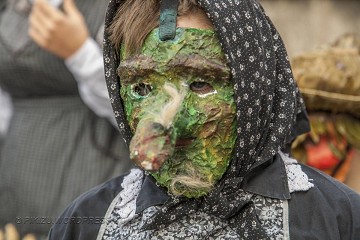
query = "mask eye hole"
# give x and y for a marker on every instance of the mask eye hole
(201, 87)
(141, 89)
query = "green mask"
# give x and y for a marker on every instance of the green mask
(190, 150)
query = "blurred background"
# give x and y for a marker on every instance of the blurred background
(307, 24)
(323, 43)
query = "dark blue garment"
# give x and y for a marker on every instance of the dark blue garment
(329, 211)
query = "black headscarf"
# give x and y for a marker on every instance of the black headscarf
(270, 109)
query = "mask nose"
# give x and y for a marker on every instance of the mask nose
(154, 139)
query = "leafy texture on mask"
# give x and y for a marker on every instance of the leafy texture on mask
(191, 152)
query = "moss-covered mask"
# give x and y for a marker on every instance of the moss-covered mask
(178, 100)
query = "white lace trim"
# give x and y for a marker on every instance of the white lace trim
(297, 179)
(131, 185)
(124, 204)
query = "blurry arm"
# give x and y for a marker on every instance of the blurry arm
(50, 28)
(88, 69)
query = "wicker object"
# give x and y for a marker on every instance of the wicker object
(329, 78)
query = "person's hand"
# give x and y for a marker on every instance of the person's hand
(10, 233)
(61, 33)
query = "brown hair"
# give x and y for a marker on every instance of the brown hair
(135, 19)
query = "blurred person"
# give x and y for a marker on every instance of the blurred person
(60, 140)
(204, 93)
